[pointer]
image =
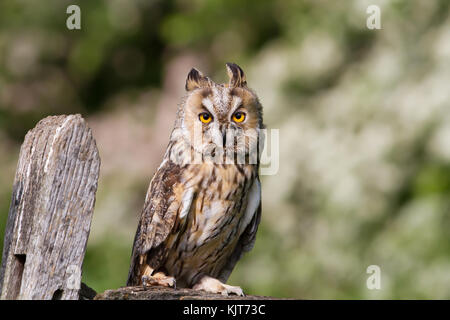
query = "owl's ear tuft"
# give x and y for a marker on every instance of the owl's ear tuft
(195, 79)
(236, 75)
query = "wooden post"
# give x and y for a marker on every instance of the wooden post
(164, 293)
(51, 211)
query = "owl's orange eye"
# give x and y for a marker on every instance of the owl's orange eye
(239, 116)
(205, 117)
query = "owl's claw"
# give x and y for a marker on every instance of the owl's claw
(212, 285)
(232, 290)
(158, 280)
(144, 280)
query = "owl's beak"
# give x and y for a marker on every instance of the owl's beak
(224, 136)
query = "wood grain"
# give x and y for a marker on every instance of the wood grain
(51, 211)
(164, 293)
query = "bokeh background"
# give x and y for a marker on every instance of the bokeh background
(364, 120)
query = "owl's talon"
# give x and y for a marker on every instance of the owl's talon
(212, 285)
(234, 289)
(172, 282)
(144, 282)
(158, 279)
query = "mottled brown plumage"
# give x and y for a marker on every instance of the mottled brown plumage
(202, 208)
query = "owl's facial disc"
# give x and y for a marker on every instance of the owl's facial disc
(220, 119)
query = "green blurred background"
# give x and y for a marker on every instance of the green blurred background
(364, 119)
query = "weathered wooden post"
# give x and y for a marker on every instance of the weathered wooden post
(51, 211)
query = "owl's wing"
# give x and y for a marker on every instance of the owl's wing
(166, 206)
(247, 239)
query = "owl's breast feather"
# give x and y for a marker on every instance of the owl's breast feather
(223, 200)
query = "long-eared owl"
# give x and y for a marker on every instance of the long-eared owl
(203, 205)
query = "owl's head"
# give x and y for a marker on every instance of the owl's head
(221, 119)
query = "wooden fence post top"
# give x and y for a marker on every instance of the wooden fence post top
(51, 211)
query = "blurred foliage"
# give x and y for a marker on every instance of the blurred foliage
(364, 121)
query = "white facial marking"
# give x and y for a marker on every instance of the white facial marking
(235, 104)
(225, 97)
(208, 104)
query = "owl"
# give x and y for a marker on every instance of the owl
(203, 205)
